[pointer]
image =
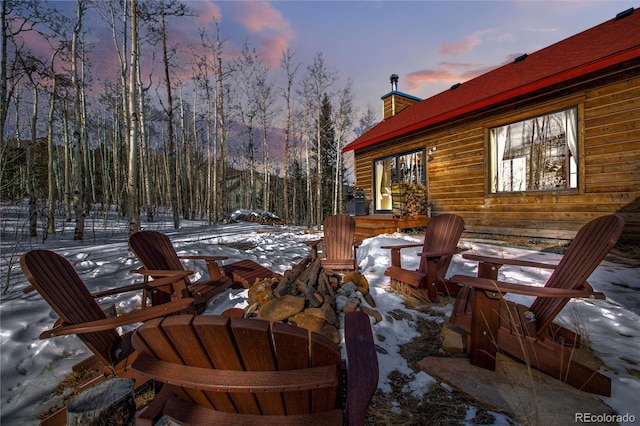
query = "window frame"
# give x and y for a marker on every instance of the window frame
(531, 113)
(396, 157)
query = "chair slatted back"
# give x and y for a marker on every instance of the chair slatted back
(155, 251)
(240, 344)
(339, 236)
(442, 235)
(58, 283)
(589, 247)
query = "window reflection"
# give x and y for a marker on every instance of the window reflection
(540, 153)
(392, 170)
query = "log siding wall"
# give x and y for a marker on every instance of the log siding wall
(609, 179)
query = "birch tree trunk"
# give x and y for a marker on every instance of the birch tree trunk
(78, 189)
(290, 71)
(132, 180)
(51, 225)
(33, 212)
(145, 151)
(222, 135)
(68, 196)
(343, 123)
(173, 188)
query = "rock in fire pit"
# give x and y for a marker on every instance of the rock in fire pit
(311, 297)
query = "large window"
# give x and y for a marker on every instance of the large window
(536, 154)
(401, 168)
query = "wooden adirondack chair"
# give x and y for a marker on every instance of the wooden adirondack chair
(528, 333)
(112, 354)
(156, 253)
(340, 243)
(237, 371)
(440, 244)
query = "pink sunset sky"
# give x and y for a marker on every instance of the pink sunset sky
(429, 44)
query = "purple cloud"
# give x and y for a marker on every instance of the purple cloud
(269, 25)
(459, 47)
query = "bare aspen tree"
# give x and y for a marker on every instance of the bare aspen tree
(290, 71)
(117, 14)
(184, 159)
(31, 190)
(68, 149)
(202, 79)
(89, 183)
(321, 80)
(17, 17)
(367, 120)
(343, 122)
(78, 132)
(307, 130)
(266, 112)
(4, 98)
(106, 170)
(51, 225)
(247, 69)
(171, 150)
(144, 148)
(208, 70)
(221, 206)
(132, 178)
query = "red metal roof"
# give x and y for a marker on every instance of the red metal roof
(610, 43)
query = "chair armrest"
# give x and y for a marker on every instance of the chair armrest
(314, 247)
(395, 252)
(438, 253)
(122, 320)
(314, 243)
(402, 246)
(362, 366)
(513, 262)
(112, 291)
(204, 257)
(502, 287)
(169, 279)
(212, 265)
(162, 272)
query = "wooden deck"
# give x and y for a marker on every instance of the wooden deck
(372, 225)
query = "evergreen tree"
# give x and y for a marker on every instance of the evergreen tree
(327, 158)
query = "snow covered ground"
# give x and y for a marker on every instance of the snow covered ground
(31, 368)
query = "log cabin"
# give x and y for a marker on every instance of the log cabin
(534, 148)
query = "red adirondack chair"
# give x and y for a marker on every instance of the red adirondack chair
(156, 253)
(340, 243)
(528, 333)
(440, 244)
(236, 371)
(112, 354)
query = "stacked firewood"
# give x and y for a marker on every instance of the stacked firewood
(311, 297)
(415, 199)
(309, 279)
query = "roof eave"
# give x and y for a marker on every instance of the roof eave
(504, 96)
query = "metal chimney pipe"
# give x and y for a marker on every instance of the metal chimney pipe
(394, 82)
